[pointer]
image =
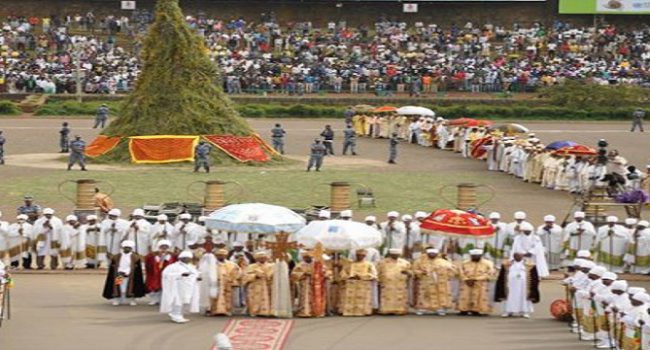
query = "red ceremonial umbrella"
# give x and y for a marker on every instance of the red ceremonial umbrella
(577, 150)
(457, 223)
(477, 146)
(385, 109)
(479, 122)
(460, 121)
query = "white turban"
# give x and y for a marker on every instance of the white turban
(612, 219)
(619, 285)
(495, 215)
(420, 215)
(325, 214)
(476, 252)
(71, 218)
(392, 214)
(346, 214)
(202, 218)
(115, 212)
(609, 276)
(630, 221)
(643, 223)
(162, 217)
(128, 244)
(48, 211)
(520, 215)
(407, 217)
(22, 217)
(370, 218)
(395, 251)
(163, 242)
(185, 254)
(585, 254)
(579, 214)
(643, 297)
(185, 216)
(433, 250)
(526, 227)
(91, 217)
(138, 212)
(549, 218)
(598, 271)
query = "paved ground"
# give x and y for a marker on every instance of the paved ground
(67, 312)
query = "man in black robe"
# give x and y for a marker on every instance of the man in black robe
(124, 281)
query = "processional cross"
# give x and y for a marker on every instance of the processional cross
(281, 246)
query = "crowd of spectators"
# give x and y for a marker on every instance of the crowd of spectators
(386, 57)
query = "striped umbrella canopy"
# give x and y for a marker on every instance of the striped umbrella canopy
(454, 222)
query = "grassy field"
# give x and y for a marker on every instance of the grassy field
(402, 191)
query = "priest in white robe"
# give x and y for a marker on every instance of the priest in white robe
(161, 230)
(393, 232)
(180, 288)
(551, 235)
(578, 235)
(186, 233)
(611, 245)
(638, 253)
(18, 242)
(47, 234)
(95, 242)
(533, 249)
(140, 232)
(113, 230)
(499, 245)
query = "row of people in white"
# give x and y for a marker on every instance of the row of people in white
(607, 310)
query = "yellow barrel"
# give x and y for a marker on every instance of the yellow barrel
(85, 194)
(339, 196)
(214, 195)
(466, 196)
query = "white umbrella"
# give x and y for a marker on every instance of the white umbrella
(339, 235)
(255, 218)
(415, 110)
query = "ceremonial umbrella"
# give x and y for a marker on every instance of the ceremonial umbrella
(339, 235)
(456, 222)
(512, 129)
(559, 144)
(385, 109)
(415, 110)
(255, 218)
(460, 121)
(479, 122)
(576, 150)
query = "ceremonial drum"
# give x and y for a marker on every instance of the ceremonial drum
(561, 310)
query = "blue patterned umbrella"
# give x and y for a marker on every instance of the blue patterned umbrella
(560, 144)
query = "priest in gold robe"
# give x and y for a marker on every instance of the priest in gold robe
(258, 281)
(310, 280)
(393, 274)
(475, 276)
(356, 295)
(432, 286)
(228, 277)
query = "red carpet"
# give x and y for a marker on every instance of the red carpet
(258, 334)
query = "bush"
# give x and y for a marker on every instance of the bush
(591, 96)
(67, 107)
(9, 108)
